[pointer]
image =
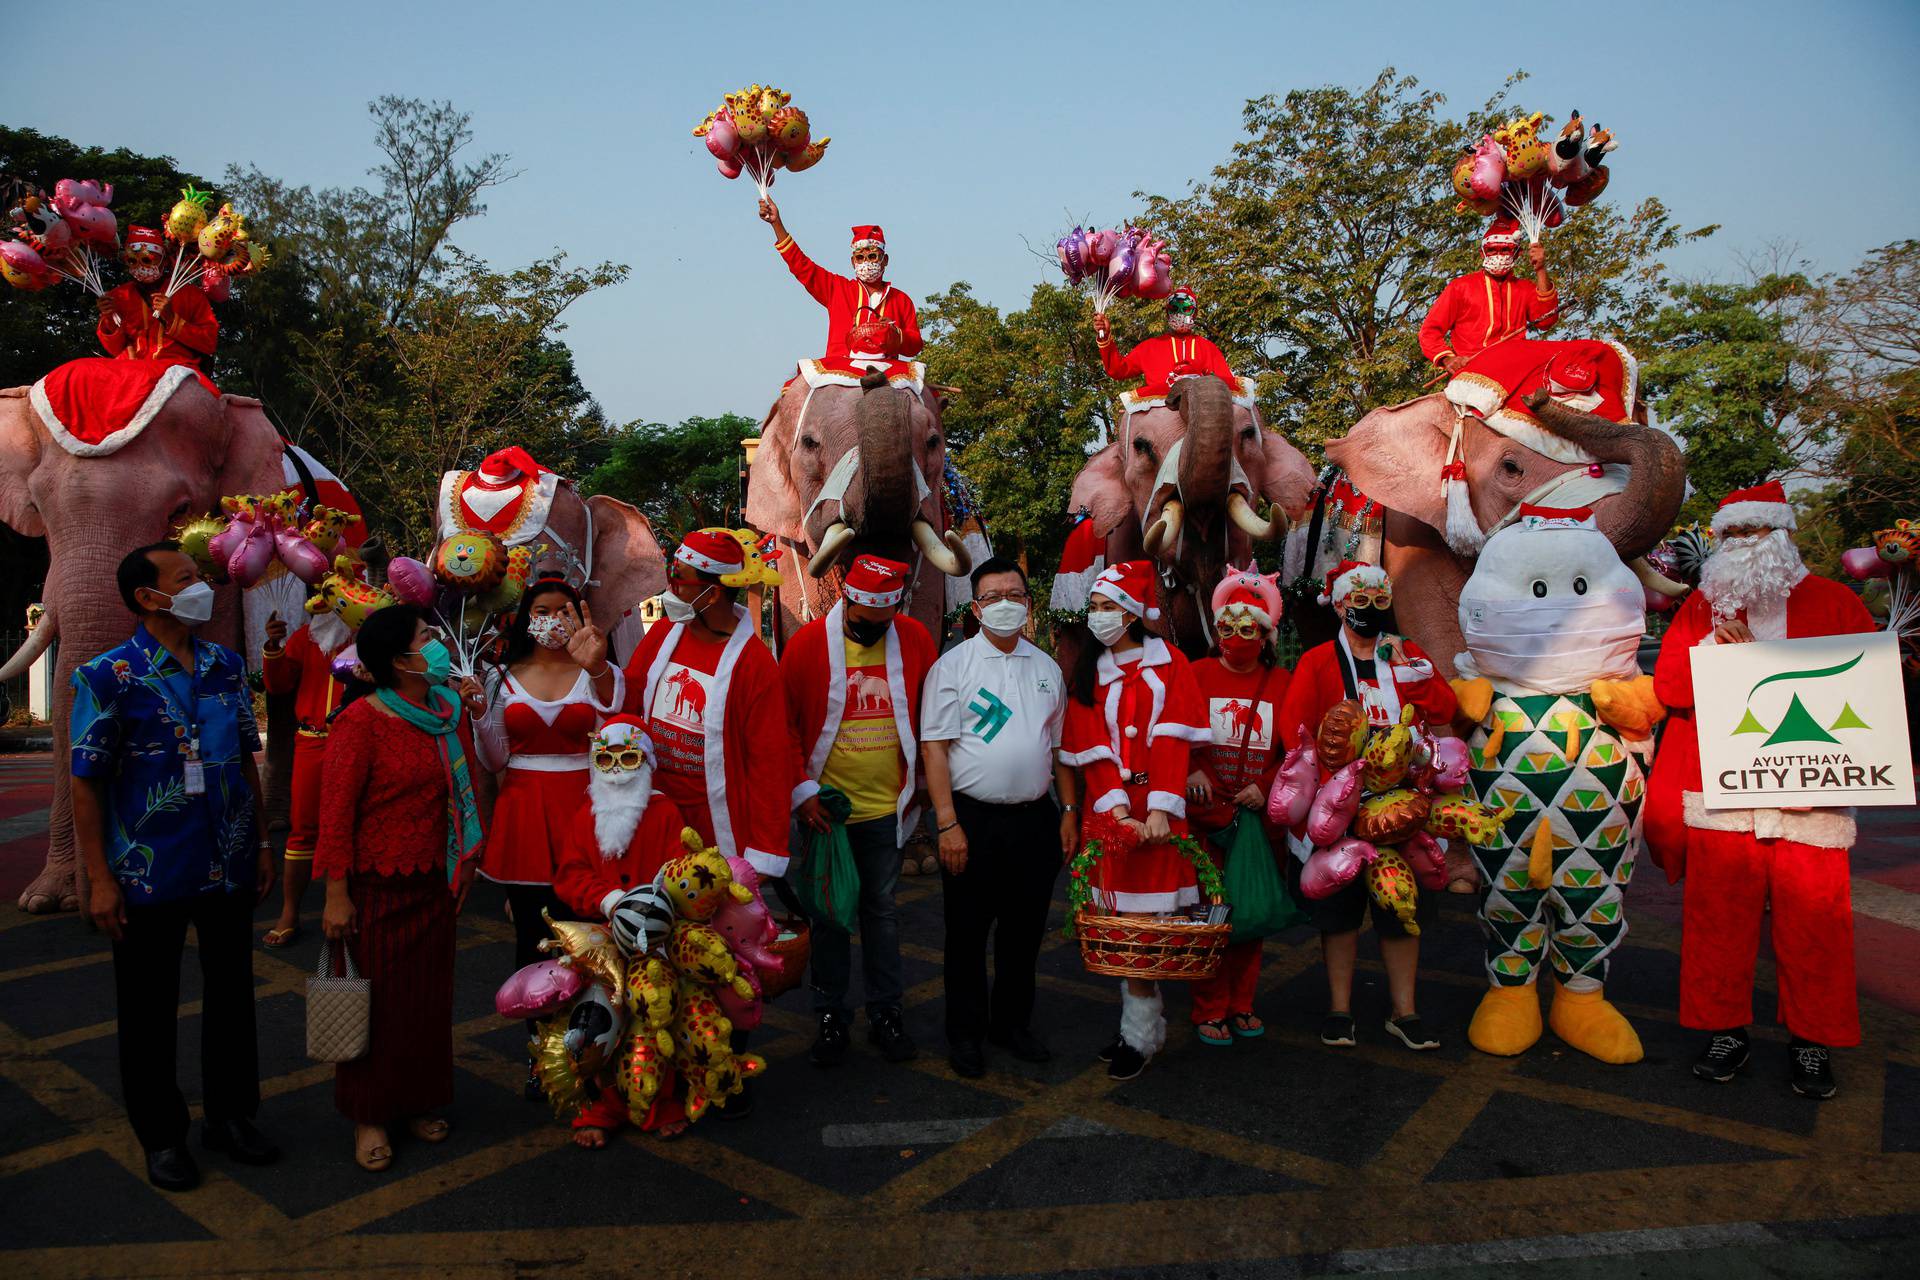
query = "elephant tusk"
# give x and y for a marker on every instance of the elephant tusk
(961, 555)
(1165, 531)
(832, 543)
(1653, 580)
(29, 653)
(1242, 514)
(937, 552)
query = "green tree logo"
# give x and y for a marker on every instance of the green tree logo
(1799, 724)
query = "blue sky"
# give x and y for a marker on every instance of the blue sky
(970, 131)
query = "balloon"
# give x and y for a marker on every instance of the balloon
(1076, 253)
(345, 664)
(722, 138)
(1333, 808)
(1120, 268)
(72, 193)
(1332, 869)
(594, 1028)
(1864, 563)
(1146, 274)
(215, 240)
(744, 1012)
(223, 544)
(1342, 734)
(538, 990)
(788, 129)
(1392, 816)
(748, 926)
(196, 539)
(807, 156)
(1428, 860)
(702, 957)
(1100, 247)
(1294, 785)
(553, 1067)
(1458, 817)
(1390, 881)
(1060, 251)
(1448, 769)
(1588, 189)
(639, 1077)
(251, 558)
(652, 998)
(326, 527)
(1162, 285)
(1462, 176)
(513, 585)
(217, 285)
(751, 126)
(94, 224)
(55, 236)
(24, 268)
(587, 947)
(346, 594)
(188, 216)
(641, 920)
(303, 560)
(1388, 755)
(1899, 545)
(470, 563)
(1489, 169)
(410, 581)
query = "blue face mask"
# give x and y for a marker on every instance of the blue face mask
(439, 661)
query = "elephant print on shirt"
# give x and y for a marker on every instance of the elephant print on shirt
(868, 694)
(689, 696)
(1231, 717)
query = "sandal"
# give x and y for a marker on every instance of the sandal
(1223, 1039)
(280, 937)
(373, 1157)
(429, 1128)
(1247, 1026)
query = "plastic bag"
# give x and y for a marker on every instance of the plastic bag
(826, 880)
(1261, 904)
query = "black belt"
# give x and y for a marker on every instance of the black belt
(1134, 779)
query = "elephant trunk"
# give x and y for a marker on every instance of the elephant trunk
(1638, 518)
(1206, 458)
(885, 441)
(29, 653)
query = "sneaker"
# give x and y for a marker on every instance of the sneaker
(1337, 1031)
(1126, 1063)
(889, 1037)
(967, 1060)
(1107, 1052)
(1812, 1074)
(1022, 1044)
(830, 1046)
(1724, 1055)
(1411, 1032)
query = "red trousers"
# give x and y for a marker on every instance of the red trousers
(303, 804)
(1731, 880)
(1229, 991)
(609, 1110)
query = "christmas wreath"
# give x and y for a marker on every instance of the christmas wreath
(1103, 834)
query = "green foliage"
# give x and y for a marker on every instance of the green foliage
(683, 476)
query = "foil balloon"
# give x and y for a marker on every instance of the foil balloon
(1390, 882)
(641, 920)
(217, 285)
(788, 129)
(543, 987)
(1899, 544)
(73, 193)
(587, 947)
(251, 558)
(23, 267)
(346, 665)
(1333, 868)
(470, 563)
(410, 581)
(188, 216)
(1459, 817)
(94, 224)
(641, 1066)
(303, 560)
(702, 957)
(594, 1029)
(1447, 771)
(1342, 734)
(1333, 808)
(1100, 247)
(1864, 563)
(748, 926)
(745, 1011)
(1392, 816)
(1388, 754)
(553, 1067)
(1489, 169)
(807, 156)
(1428, 860)
(196, 538)
(1294, 784)
(1588, 189)
(652, 996)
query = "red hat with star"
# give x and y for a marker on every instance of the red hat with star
(1129, 585)
(713, 551)
(866, 236)
(1348, 574)
(875, 581)
(1764, 504)
(145, 237)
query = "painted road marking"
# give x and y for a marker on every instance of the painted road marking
(1599, 1244)
(23, 825)
(919, 1133)
(1883, 902)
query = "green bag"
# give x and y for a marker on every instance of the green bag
(1255, 889)
(827, 881)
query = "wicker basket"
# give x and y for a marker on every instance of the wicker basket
(794, 953)
(1151, 948)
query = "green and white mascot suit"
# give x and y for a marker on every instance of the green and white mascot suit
(1552, 620)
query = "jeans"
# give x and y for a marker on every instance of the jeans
(876, 854)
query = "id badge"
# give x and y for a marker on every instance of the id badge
(196, 778)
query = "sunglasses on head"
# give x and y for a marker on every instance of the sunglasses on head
(626, 758)
(1370, 597)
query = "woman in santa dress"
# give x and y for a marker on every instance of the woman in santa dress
(1132, 719)
(550, 692)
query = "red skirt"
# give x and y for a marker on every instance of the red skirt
(532, 815)
(404, 947)
(1150, 879)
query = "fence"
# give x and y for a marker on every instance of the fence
(14, 698)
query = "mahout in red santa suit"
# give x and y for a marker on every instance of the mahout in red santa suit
(1491, 305)
(140, 321)
(1741, 865)
(1178, 352)
(302, 664)
(870, 322)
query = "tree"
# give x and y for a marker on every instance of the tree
(684, 476)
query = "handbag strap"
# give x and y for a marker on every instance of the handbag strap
(325, 967)
(1246, 728)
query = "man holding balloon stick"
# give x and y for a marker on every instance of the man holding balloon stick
(1177, 353)
(869, 322)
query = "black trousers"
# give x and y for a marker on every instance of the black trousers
(1013, 857)
(146, 980)
(529, 930)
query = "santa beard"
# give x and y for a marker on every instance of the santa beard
(1752, 572)
(619, 801)
(328, 632)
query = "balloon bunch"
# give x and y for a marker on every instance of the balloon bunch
(758, 131)
(471, 580)
(259, 530)
(1392, 791)
(1893, 558)
(654, 994)
(1512, 171)
(59, 238)
(1679, 558)
(1125, 262)
(209, 251)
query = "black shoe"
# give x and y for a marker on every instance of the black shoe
(238, 1140)
(172, 1169)
(1022, 1044)
(1337, 1031)
(532, 1090)
(1126, 1063)
(1412, 1032)
(1724, 1055)
(889, 1037)
(830, 1046)
(1106, 1054)
(740, 1105)
(1813, 1070)
(965, 1058)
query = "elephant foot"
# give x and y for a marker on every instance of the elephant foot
(1507, 1023)
(1585, 1020)
(52, 890)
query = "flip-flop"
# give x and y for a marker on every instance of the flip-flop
(1245, 1032)
(1223, 1042)
(428, 1128)
(279, 937)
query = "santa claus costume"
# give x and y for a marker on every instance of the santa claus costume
(1177, 353)
(857, 310)
(303, 667)
(716, 710)
(1741, 863)
(186, 330)
(1131, 734)
(1477, 311)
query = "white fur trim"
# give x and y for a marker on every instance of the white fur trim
(1186, 732)
(1077, 759)
(806, 791)
(1171, 803)
(767, 864)
(1463, 530)
(163, 388)
(706, 564)
(1365, 575)
(1525, 431)
(1771, 515)
(874, 599)
(1823, 828)
(1149, 903)
(816, 375)
(1143, 1024)
(715, 743)
(1112, 800)
(1107, 589)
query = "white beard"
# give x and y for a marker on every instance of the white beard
(328, 631)
(1752, 573)
(619, 802)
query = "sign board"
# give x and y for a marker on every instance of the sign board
(1819, 722)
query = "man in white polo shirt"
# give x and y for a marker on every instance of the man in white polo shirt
(989, 730)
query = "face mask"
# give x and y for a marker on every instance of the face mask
(1003, 617)
(1497, 264)
(1555, 644)
(144, 270)
(1178, 323)
(193, 604)
(1240, 650)
(678, 610)
(867, 272)
(864, 632)
(1370, 622)
(548, 631)
(439, 661)
(1108, 626)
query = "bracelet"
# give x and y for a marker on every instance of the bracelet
(595, 675)
(1069, 808)
(940, 831)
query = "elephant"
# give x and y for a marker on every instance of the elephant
(1181, 485)
(848, 469)
(1632, 475)
(92, 511)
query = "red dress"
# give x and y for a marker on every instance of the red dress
(1133, 748)
(539, 749)
(305, 670)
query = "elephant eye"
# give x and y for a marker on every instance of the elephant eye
(1508, 465)
(808, 442)
(1579, 586)
(933, 440)
(1539, 587)
(1246, 433)
(1143, 446)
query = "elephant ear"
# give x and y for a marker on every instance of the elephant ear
(19, 455)
(1394, 456)
(773, 500)
(1101, 488)
(628, 561)
(253, 461)
(1289, 480)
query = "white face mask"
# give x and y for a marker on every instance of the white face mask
(145, 270)
(193, 605)
(1557, 644)
(678, 610)
(1108, 625)
(868, 272)
(1177, 323)
(1497, 264)
(549, 630)
(1003, 617)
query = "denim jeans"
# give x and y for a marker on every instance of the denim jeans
(876, 853)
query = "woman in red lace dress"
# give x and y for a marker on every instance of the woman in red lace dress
(398, 847)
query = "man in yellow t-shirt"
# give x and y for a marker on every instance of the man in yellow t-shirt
(853, 683)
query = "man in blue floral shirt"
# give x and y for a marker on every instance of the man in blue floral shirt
(166, 812)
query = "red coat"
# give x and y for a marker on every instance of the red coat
(1161, 357)
(814, 670)
(741, 797)
(1475, 311)
(303, 669)
(848, 302)
(585, 879)
(189, 332)
(1816, 607)
(1317, 685)
(1237, 703)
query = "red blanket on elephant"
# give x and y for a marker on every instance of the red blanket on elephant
(94, 405)
(1582, 373)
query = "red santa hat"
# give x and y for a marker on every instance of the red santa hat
(1081, 561)
(1573, 373)
(714, 551)
(620, 732)
(1763, 504)
(1252, 593)
(869, 237)
(875, 581)
(145, 237)
(1184, 291)
(1129, 585)
(1502, 233)
(1348, 574)
(505, 464)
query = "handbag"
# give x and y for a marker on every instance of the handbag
(339, 1010)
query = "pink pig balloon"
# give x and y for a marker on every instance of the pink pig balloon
(729, 166)
(748, 926)
(410, 581)
(1864, 563)
(303, 560)
(251, 558)
(745, 1013)
(723, 135)
(1448, 769)
(222, 545)
(72, 193)
(1489, 169)
(543, 987)
(1332, 869)
(1100, 246)
(94, 224)
(1333, 809)
(1428, 860)
(1295, 783)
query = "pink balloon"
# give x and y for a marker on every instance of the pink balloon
(21, 258)
(543, 987)
(410, 581)
(1864, 563)
(1489, 169)
(1294, 785)
(1333, 809)
(251, 558)
(1428, 860)
(729, 166)
(72, 193)
(95, 224)
(1100, 246)
(1332, 869)
(1448, 770)
(748, 926)
(303, 560)
(744, 1013)
(723, 135)
(222, 545)
(217, 285)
